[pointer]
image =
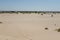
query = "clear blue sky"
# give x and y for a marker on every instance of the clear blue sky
(29, 5)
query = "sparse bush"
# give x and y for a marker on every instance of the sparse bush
(54, 24)
(58, 30)
(23, 13)
(51, 15)
(46, 28)
(44, 13)
(41, 14)
(38, 13)
(0, 22)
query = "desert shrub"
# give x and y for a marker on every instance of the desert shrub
(51, 15)
(38, 13)
(46, 28)
(41, 14)
(0, 22)
(58, 30)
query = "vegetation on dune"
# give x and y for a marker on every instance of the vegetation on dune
(29, 12)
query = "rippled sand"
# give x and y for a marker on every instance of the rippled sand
(29, 26)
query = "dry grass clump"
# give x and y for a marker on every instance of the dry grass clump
(46, 28)
(58, 30)
(41, 14)
(54, 24)
(38, 13)
(51, 15)
(1, 22)
(44, 13)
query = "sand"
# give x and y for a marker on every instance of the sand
(29, 26)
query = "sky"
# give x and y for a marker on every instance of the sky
(29, 5)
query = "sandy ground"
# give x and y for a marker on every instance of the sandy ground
(29, 26)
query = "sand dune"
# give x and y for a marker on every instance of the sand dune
(29, 26)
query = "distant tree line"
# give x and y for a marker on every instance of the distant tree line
(29, 11)
(8, 12)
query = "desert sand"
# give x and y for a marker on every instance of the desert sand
(29, 26)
